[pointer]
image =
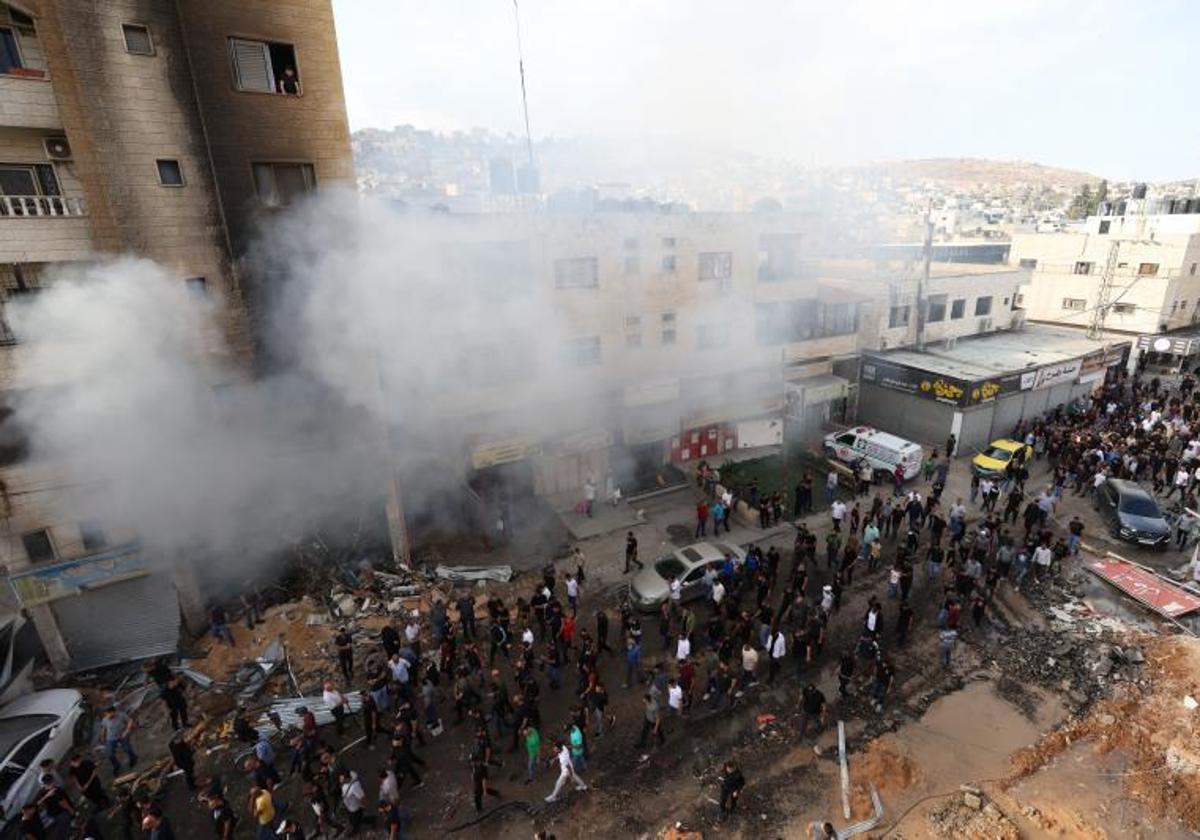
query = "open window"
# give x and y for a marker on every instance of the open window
(264, 67)
(279, 184)
(38, 546)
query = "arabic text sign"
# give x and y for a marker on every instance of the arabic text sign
(1054, 374)
(40, 585)
(1145, 587)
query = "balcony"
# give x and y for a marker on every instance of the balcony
(41, 205)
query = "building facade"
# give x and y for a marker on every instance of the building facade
(1147, 259)
(166, 130)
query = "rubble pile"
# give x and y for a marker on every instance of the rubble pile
(883, 766)
(971, 816)
(1150, 718)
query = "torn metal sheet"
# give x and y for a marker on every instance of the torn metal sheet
(288, 716)
(867, 824)
(198, 677)
(503, 574)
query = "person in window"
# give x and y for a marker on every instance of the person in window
(289, 83)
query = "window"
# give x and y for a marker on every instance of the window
(1018, 300)
(92, 535)
(137, 39)
(712, 336)
(1027, 263)
(576, 273)
(983, 305)
(1183, 304)
(898, 316)
(958, 308)
(197, 287)
(668, 242)
(633, 340)
(1074, 304)
(1006, 301)
(668, 264)
(1192, 271)
(633, 322)
(33, 189)
(38, 546)
(170, 173)
(668, 328)
(1147, 269)
(10, 53)
(1124, 308)
(279, 184)
(937, 309)
(791, 321)
(631, 243)
(632, 266)
(582, 352)
(264, 67)
(716, 265)
(1083, 267)
(1104, 226)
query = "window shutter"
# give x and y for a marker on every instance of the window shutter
(252, 65)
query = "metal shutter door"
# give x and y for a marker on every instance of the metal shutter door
(122, 622)
(252, 65)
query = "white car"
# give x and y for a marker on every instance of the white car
(882, 451)
(37, 726)
(652, 585)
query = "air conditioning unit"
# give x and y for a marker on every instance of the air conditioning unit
(985, 324)
(57, 148)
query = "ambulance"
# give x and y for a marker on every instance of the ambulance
(881, 450)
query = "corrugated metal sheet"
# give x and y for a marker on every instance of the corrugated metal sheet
(124, 622)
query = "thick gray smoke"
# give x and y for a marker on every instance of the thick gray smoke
(379, 333)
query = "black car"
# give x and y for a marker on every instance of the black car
(1132, 513)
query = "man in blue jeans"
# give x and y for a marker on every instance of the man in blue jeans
(115, 728)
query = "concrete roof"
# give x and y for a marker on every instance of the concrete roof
(1003, 352)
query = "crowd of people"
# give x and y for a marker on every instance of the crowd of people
(762, 617)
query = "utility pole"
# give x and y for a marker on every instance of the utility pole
(923, 280)
(1104, 293)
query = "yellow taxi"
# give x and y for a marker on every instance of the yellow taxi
(992, 461)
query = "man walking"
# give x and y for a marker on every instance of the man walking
(651, 721)
(115, 729)
(566, 772)
(631, 552)
(732, 782)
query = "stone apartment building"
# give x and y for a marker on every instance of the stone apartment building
(165, 129)
(1150, 248)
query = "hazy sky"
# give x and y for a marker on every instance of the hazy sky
(1102, 86)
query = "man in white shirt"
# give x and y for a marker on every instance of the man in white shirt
(674, 697)
(778, 652)
(683, 648)
(837, 511)
(718, 592)
(676, 591)
(1042, 556)
(566, 772)
(399, 666)
(337, 704)
(749, 664)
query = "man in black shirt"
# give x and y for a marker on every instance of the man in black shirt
(732, 782)
(83, 772)
(812, 703)
(176, 702)
(53, 802)
(31, 823)
(184, 758)
(345, 653)
(631, 552)
(224, 820)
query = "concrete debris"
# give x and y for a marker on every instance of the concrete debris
(201, 679)
(1189, 703)
(502, 574)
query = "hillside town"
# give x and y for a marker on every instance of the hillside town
(409, 483)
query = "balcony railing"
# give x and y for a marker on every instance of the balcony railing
(41, 205)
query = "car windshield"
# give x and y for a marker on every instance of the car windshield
(1139, 506)
(14, 730)
(668, 567)
(998, 454)
(725, 550)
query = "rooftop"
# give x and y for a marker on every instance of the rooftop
(1003, 352)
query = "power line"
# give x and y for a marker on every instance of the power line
(524, 96)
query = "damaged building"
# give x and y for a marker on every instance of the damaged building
(166, 130)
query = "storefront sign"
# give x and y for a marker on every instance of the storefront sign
(1057, 373)
(49, 583)
(986, 390)
(1185, 346)
(919, 383)
(503, 452)
(588, 440)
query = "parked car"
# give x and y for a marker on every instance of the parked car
(883, 451)
(1132, 513)
(652, 585)
(991, 462)
(37, 726)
